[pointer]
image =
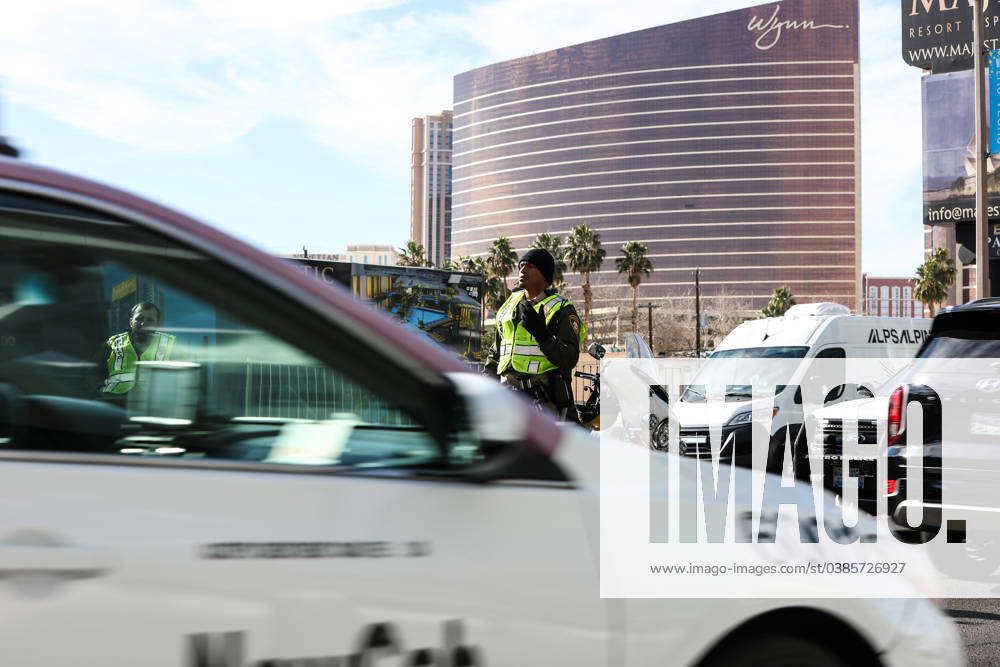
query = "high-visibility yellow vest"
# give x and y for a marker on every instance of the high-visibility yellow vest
(122, 360)
(518, 349)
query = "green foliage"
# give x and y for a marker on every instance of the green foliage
(635, 265)
(780, 302)
(554, 245)
(583, 249)
(934, 277)
(413, 254)
(501, 259)
(495, 292)
(489, 335)
(585, 255)
(469, 265)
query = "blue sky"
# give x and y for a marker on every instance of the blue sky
(287, 123)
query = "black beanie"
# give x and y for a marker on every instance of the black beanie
(542, 260)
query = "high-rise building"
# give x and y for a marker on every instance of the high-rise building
(430, 186)
(728, 143)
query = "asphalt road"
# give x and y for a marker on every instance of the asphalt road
(978, 620)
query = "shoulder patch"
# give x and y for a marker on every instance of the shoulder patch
(574, 322)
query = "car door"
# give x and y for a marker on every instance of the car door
(279, 486)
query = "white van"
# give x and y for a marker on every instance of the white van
(807, 331)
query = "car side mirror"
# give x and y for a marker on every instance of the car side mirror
(500, 421)
(596, 350)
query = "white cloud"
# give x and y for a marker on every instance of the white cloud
(541, 26)
(169, 76)
(163, 76)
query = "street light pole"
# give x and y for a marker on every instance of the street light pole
(982, 222)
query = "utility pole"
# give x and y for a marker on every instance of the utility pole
(697, 312)
(618, 326)
(982, 222)
(650, 307)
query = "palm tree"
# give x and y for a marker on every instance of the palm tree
(476, 265)
(634, 263)
(934, 277)
(554, 246)
(472, 265)
(501, 259)
(412, 255)
(495, 292)
(780, 302)
(585, 254)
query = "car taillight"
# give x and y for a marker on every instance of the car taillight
(895, 415)
(891, 487)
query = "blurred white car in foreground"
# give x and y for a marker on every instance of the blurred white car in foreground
(300, 479)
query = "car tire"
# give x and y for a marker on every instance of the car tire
(775, 452)
(774, 651)
(973, 561)
(659, 436)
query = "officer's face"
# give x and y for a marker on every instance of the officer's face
(143, 321)
(530, 278)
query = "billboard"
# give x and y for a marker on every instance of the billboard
(937, 34)
(442, 305)
(949, 136)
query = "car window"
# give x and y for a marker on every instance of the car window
(964, 334)
(963, 344)
(115, 340)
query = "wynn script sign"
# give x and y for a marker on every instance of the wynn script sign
(769, 28)
(937, 34)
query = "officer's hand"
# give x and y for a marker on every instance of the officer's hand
(533, 322)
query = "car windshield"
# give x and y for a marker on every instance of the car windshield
(746, 364)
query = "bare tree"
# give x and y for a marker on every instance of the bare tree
(674, 322)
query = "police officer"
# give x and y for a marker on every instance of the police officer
(538, 337)
(142, 342)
